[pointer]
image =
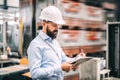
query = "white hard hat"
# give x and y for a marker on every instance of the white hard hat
(52, 13)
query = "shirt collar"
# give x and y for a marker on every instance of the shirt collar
(44, 36)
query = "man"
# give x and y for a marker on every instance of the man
(46, 58)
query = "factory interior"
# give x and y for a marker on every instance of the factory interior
(91, 25)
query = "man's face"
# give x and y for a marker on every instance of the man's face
(52, 30)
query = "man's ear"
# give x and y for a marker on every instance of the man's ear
(44, 24)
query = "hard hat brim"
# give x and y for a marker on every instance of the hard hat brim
(61, 22)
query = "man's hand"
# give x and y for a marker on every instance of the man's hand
(66, 66)
(81, 54)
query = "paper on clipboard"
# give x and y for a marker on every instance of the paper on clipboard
(80, 60)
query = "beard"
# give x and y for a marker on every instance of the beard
(52, 34)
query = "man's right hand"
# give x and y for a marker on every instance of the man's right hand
(66, 66)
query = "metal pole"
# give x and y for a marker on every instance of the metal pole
(34, 19)
(4, 36)
(21, 38)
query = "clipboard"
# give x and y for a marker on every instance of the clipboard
(80, 60)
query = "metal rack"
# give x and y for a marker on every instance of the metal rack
(113, 53)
